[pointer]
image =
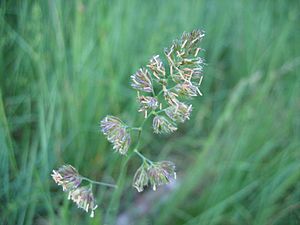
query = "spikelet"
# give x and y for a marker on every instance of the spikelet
(179, 113)
(147, 103)
(161, 173)
(140, 179)
(67, 176)
(116, 133)
(84, 198)
(141, 81)
(161, 125)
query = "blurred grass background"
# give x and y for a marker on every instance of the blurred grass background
(66, 64)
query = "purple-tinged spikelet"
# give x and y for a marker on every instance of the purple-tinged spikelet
(147, 103)
(187, 89)
(179, 113)
(170, 97)
(161, 173)
(140, 179)
(116, 133)
(141, 80)
(158, 173)
(84, 198)
(67, 176)
(161, 125)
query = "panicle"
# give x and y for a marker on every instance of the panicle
(161, 125)
(147, 103)
(179, 113)
(161, 173)
(140, 179)
(84, 198)
(141, 80)
(67, 176)
(157, 67)
(116, 133)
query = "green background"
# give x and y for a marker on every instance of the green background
(66, 64)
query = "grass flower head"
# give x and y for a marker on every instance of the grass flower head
(179, 113)
(161, 173)
(84, 198)
(161, 125)
(141, 81)
(67, 176)
(116, 133)
(147, 103)
(140, 179)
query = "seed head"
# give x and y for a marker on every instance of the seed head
(84, 198)
(67, 176)
(141, 80)
(161, 173)
(157, 67)
(179, 113)
(140, 178)
(161, 125)
(116, 133)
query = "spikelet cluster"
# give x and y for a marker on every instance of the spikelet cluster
(179, 113)
(141, 80)
(141, 179)
(158, 173)
(116, 133)
(176, 80)
(147, 103)
(69, 178)
(161, 125)
(84, 198)
(182, 56)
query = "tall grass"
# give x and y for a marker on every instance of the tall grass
(66, 64)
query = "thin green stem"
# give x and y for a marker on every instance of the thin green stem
(135, 128)
(140, 130)
(142, 156)
(160, 111)
(159, 93)
(139, 137)
(153, 93)
(116, 195)
(99, 183)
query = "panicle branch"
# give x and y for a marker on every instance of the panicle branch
(69, 178)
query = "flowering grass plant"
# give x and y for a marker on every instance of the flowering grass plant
(164, 89)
